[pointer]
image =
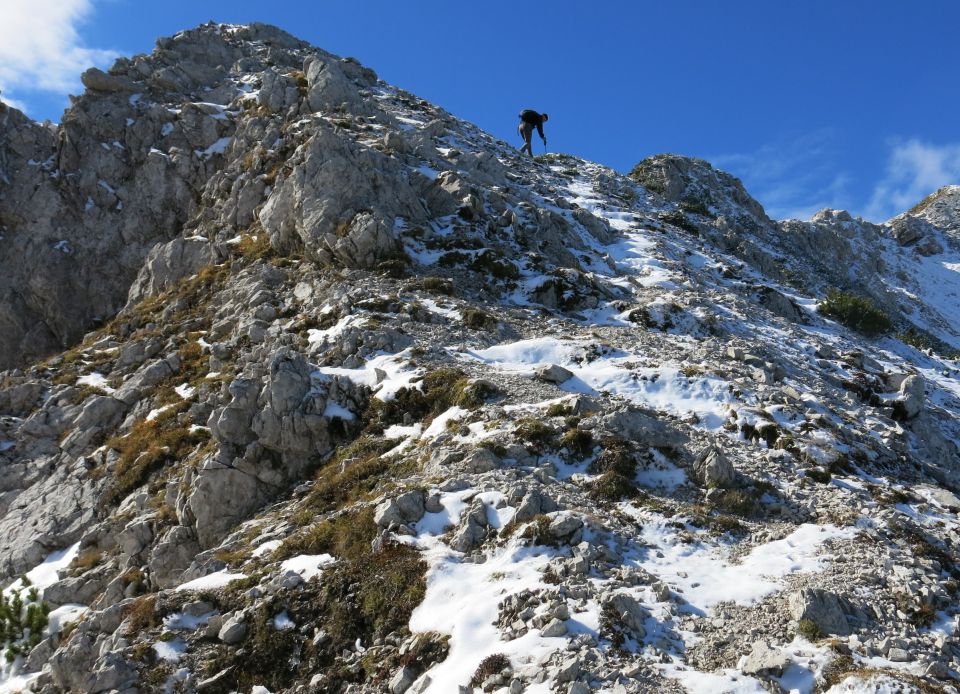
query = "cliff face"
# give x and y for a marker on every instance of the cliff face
(356, 399)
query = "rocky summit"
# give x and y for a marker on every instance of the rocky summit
(313, 387)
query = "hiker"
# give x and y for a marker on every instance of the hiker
(529, 120)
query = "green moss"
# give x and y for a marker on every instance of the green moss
(559, 409)
(649, 176)
(395, 267)
(141, 614)
(617, 467)
(23, 618)
(538, 531)
(694, 206)
(435, 285)
(86, 559)
(453, 258)
(838, 669)
(255, 246)
(347, 535)
(616, 456)
(368, 594)
(855, 312)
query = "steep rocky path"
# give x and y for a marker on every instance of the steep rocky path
(392, 408)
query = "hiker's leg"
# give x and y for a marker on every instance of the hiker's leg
(527, 131)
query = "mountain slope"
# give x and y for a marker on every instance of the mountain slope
(389, 407)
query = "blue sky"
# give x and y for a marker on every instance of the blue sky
(848, 104)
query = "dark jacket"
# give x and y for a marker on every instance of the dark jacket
(533, 118)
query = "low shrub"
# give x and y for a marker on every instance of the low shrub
(439, 390)
(22, 621)
(612, 486)
(855, 312)
(579, 442)
(809, 630)
(739, 502)
(478, 319)
(491, 665)
(534, 432)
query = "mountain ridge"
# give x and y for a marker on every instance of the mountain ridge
(378, 404)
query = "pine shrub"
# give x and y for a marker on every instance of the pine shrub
(856, 312)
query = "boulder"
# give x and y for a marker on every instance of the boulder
(173, 555)
(629, 612)
(713, 469)
(821, 607)
(329, 88)
(780, 304)
(763, 659)
(402, 681)
(533, 504)
(912, 396)
(405, 509)
(634, 424)
(472, 530)
(943, 497)
(481, 460)
(18, 400)
(234, 630)
(566, 528)
(555, 627)
(552, 373)
(340, 202)
(98, 80)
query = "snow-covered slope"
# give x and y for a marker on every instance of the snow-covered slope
(399, 410)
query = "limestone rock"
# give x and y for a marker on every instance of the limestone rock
(634, 424)
(555, 627)
(763, 659)
(472, 529)
(234, 630)
(912, 396)
(552, 373)
(168, 263)
(629, 612)
(821, 607)
(713, 469)
(405, 509)
(100, 81)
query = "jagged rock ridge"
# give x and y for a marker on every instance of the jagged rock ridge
(387, 407)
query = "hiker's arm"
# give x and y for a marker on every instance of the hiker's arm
(540, 131)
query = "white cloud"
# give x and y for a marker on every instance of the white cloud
(793, 178)
(15, 103)
(41, 49)
(914, 170)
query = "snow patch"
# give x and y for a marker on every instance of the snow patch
(218, 579)
(307, 565)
